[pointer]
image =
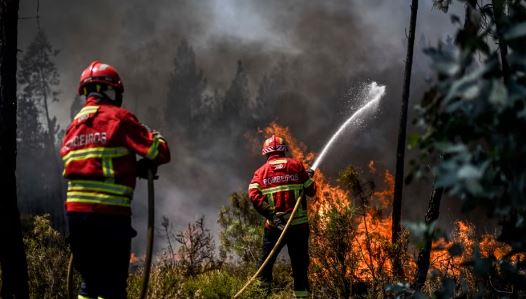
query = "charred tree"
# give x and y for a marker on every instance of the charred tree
(400, 152)
(12, 255)
(423, 262)
(499, 14)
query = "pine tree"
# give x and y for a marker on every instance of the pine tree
(270, 88)
(31, 143)
(236, 104)
(186, 88)
(38, 81)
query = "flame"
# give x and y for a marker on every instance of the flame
(372, 167)
(134, 259)
(371, 239)
(373, 229)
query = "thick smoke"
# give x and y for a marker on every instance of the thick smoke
(326, 49)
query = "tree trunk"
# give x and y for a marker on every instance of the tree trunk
(12, 255)
(422, 263)
(499, 14)
(400, 152)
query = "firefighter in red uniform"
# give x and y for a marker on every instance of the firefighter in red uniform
(99, 153)
(273, 191)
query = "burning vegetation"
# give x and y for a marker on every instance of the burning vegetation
(351, 250)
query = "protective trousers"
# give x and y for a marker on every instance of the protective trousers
(297, 241)
(101, 252)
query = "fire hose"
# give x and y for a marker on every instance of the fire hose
(149, 244)
(150, 235)
(274, 249)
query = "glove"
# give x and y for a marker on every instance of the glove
(279, 221)
(310, 172)
(143, 165)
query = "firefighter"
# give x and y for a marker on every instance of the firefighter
(99, 153)
(273, 191)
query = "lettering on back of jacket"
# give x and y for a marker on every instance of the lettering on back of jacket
(87, 139)
(281, 179)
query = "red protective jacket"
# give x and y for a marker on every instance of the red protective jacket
(99, 153)
(277, 184)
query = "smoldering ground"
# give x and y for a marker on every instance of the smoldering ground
(321, 48)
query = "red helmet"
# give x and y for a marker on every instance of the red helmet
(274, 144)
(98, 72)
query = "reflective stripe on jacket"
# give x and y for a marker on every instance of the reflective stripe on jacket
(277, 184)
(99, 154)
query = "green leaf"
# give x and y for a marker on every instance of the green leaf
(498, 94)
(469, 172)
(412, 141)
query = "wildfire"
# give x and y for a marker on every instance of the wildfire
(370, 241)
(134, 259)
(373, 228)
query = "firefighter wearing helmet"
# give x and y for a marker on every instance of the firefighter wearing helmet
(273, 191)
(99, 153)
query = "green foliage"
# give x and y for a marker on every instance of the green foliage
(47, 258)
(332, 267)
(218, 284)
(473, 120)
(242, 230)
(165, 280)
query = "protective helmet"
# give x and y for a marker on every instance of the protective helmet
(274, 144)
(100, 73)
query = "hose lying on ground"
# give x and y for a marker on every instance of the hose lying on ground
(274, 249)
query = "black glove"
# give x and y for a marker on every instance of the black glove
(310, 172)
(279, 221)
(143, 165)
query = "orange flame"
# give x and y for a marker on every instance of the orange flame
(134, 259)
(373, 226)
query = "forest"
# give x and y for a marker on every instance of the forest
(460, 141)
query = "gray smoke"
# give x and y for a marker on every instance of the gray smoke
(330, 48)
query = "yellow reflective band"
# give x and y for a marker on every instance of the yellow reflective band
(270, 199)
(85, 297)
(253, 186)
(98, 198)
(97, 186)
(154, 149)
(308, 183)
(107, 167)
(95, 152)
(282, 188)
(86, 110)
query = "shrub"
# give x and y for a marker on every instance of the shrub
(47, 259)
(218, 284)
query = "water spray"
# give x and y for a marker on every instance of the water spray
(374, 93)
